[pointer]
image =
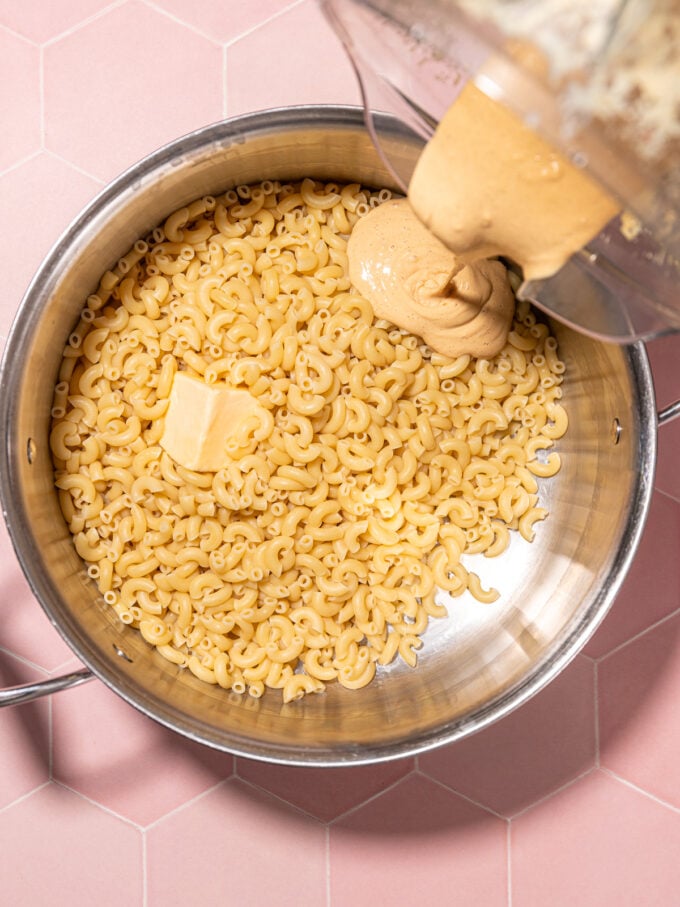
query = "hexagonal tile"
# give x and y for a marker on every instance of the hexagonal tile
(224, 21)
(535, 750)
(24, 735)
(594, 844)
(317, 71)
(667, 473)
(418, 843)
(20, 105)
(652, 588)
(639, 714)
(663, 356)
(116, 756)
(126, 83)
(42, 21)
(42, 195)
(323, 792)
(26, 630)
(238, 846)
(60, 850)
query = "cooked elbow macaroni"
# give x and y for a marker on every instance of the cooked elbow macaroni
(314, 556)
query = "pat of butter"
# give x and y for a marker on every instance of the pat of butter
(202, 418)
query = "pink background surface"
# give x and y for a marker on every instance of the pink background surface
(572, 800)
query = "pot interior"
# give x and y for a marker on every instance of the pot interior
(477, 664)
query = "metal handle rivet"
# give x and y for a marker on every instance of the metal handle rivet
(121, 654)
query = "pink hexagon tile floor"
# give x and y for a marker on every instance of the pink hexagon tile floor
(42, 22)
(82, 855)
(124, 761)
(25, 630)
(43, 193)
(285, 67)
(228, 838)
(597, 843)
(635, 608)
(125, 83)
(24, 735)
(639, 715)
(572, 799)
(418, 842)
(664, 354)
(531, 752)
(20, 108)
(325, 793)
(225, 22)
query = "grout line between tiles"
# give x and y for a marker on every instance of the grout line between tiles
(358, 806)
(24, 797)
(553, 793)
(25, 661)
(50, 739)
(97, 805)
(41, 96)
(19, 36)
(596, 713)
(298, 809)
(654, 626)
(328, 866)
(667, 494)
(145, 878)
(181, 22)
(225, 84)
(83, 22)
(508, 849)
(76, 167)
(452, 790)
(640, 790)
(182, 806)
(254, 28)
(20, 163)
(72, 663)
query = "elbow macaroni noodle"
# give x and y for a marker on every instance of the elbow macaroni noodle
(315, 555)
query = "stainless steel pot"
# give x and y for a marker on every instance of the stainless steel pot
(477, 665)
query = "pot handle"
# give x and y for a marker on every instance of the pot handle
(668, 413)
(26, 692)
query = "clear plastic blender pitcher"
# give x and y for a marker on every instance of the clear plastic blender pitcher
(598, 79)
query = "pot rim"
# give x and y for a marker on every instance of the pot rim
(222, 134)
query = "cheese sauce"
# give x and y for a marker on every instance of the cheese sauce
(485, 185)
(415, 281)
